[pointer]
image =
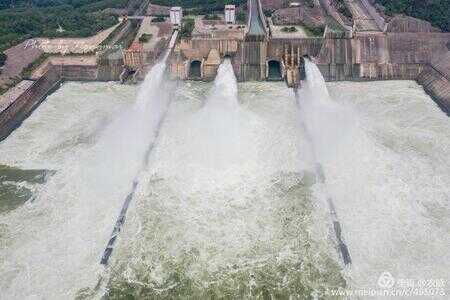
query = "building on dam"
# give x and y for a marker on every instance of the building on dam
(367, 49)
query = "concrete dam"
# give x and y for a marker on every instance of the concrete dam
(402, 49)
(243, 164)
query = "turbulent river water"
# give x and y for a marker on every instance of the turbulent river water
(228, 204)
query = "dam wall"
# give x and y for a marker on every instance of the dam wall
(78, 73)
(110, 71)
(435, 79)
(408, 49)
(25, 103)
(279, 48)
(206, 53)
(380, 56)
(339, 55)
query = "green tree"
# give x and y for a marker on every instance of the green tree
(25, 19)
(158, 19)
(212, 17)
(187, 28)
(241, 17)
(437, 12)
(144, 38)
(3, 58)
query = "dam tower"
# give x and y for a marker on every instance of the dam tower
(254, 46)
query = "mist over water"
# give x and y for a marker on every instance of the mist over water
(216, 215)
(51, 247)
(329, 124)
(216, 128)
(382, 151)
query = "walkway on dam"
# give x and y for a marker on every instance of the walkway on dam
(362, 19)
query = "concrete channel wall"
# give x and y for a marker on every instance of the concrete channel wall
(25, 103)
(435, 79)
(21, 107)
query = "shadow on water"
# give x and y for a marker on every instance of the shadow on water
(16, 185)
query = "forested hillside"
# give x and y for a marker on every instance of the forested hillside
(199, 6)
(435, 11)
(23, 19)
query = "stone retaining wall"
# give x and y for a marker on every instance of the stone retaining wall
(435, 79)
(25, 103)
(78, 73)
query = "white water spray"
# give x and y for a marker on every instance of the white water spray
(224, 93)
(210, 218)
(218, 124)
(52, 246)
(223, 203)
(155, 109)
(329, 124)
(388, 226)
(315, 104)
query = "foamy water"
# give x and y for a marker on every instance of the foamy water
(391, 182)
(228, 204)
(384, 146)
(51, 247)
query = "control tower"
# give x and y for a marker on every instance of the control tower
(254, 46)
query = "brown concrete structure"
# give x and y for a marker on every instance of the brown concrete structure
(16, 106)
(371, 50)
(133, 57)
(19, 109)
(435, 79)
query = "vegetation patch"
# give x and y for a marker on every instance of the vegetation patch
(145, 37)
(268, 12)
(187, 27)
(343, 9)
(314, 30)
(289, 29)
(241, 17)
(211, 17)
(21, 20)
(28, 71)
(200, 7)
(158, 19)
(309, 3)
(3, 58)
(11, 83)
